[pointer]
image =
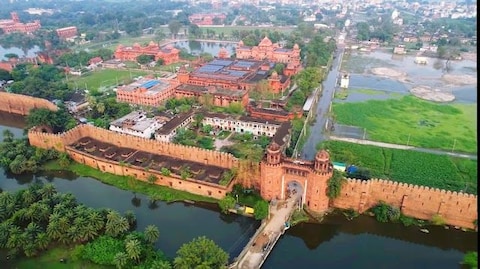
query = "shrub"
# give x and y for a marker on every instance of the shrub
(407, 221)
(471, 260)
(261, 210)
(335, 185)
(437, 220)
(103, 250)
(228, 202)
(385, 212)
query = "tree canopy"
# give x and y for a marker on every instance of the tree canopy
(201, 252)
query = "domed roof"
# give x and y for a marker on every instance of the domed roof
(274, 74)
(266, 42)
(296, 47)
(240, 43)
(322, 156)
(273, 146)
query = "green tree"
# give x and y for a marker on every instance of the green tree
(174, 26)
(334, 185)
(201, 252)
(195, 31)
(144, 59)
(228, 202)
(134, 249)
(120, 260)
(261, 210)
(161, 265)
(152, 178)
(151, 234)
(471, 260)
(116, 224)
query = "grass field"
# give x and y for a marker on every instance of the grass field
(415, 122)
(413, 167)
(51, 260)
(104, 78)
(156, 192)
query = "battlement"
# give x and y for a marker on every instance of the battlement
(22, 104)
(456, 208)
(60, 141)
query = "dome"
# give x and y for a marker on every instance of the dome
(274, 74)
(265, 42)
(240, 43)
(322, 156)
(296, 47)
(273, 147)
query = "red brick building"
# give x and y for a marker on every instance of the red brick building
(14, 25)
(67, 32)
(206, 19)
(126, 53)
(267, 50)
(147, 91)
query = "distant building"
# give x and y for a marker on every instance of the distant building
(67, 32)
(147, 91)
(136, 123)
(241, 124)
(206, 19)
(266, 50)
(344, 81)
(400, 49)
(76, 102)
(14, 25)
(168, 131)
(126, 53)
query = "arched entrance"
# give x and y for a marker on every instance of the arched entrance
(294, 190)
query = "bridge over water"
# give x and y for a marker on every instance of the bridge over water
(262, 242)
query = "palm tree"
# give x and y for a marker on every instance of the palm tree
(116, 224)
(95, 220)
(151, 234)
(7, 135)
(133, 249)
(28, 197)
(120, 260)
(4, 233)
(53, 230)
(131, 218)
(42, 241)
(161, 265)
(47, 191)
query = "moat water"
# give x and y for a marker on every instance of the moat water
(334, 243)
(20, 52)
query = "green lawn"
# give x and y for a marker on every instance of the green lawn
(413, 167)
(51, 260)
(156, 192)
(104, 78)
(415, 122)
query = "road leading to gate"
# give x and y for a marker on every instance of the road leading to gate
(317, 130)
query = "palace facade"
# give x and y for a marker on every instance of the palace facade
(67, 32)
(168, 54)
(14, 25)
(267, 50)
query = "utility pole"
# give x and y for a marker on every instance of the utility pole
(408, 141)
(454, 143)
(364, 133)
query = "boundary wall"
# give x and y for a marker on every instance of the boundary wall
(22, 104)
(62, 141)
(457, 209)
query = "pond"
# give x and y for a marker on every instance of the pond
(20, 52)
(359, 64)
(197, 47)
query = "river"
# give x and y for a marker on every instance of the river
(334, 243)
(20, 52)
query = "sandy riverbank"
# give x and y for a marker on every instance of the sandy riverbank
(459, 79)
(431, 94)
(389, 73)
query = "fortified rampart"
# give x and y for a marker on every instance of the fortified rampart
(22, 104)
(457, 209)
(61, 142)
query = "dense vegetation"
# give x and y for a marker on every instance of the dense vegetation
(414, 122)
(471, 260)
(18, 157)
(44, 81)
(413, 167)
(38, 218)
(58, 121)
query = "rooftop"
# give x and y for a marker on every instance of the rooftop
(147, 85)
(173, 123)
(136, 121)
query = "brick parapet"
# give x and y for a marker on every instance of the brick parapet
(22, 104)
(457, 209)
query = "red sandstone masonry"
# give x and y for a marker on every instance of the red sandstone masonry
(60, 141)
(458, 209)
(22, 104)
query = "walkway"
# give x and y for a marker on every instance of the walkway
(397, 146)
(256, 252)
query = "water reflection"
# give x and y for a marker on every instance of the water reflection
(197, 47)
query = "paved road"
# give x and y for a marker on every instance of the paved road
(397, 146)
(256, 255)
(328, 88)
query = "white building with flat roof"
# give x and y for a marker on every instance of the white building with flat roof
(136, 123)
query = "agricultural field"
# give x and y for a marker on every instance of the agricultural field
(413, 167)
(414, 122)
(104, 78)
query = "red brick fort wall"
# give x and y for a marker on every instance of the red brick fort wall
(22, 104)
